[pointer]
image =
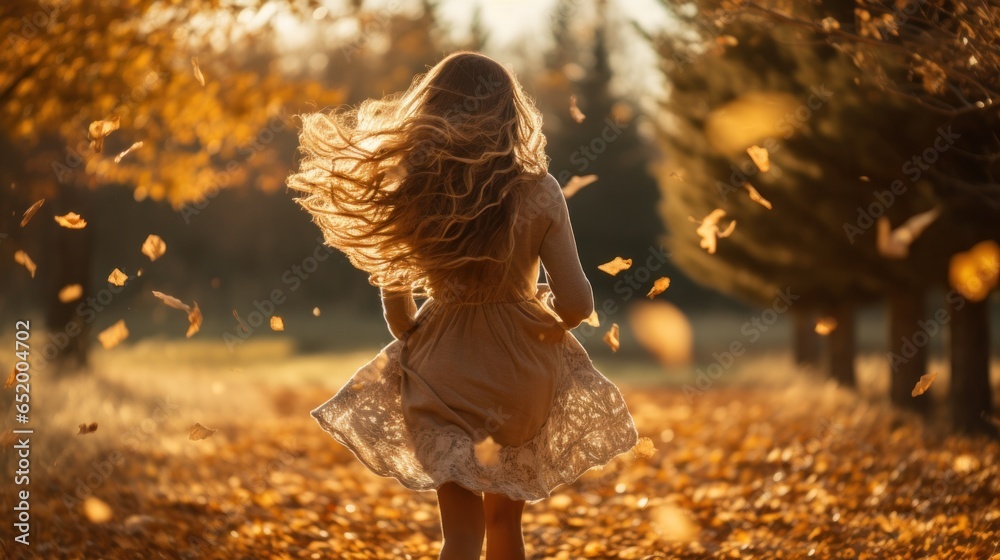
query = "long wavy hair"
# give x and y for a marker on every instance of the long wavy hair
(425, 182)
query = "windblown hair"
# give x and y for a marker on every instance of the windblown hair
(427, 181)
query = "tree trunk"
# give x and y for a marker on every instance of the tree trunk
(806, 342)
(842, 346)
(908, 342)
(69, 331)
(970, 394)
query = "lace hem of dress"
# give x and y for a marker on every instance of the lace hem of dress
(588, 425)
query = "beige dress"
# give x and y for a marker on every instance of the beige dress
(480, 360)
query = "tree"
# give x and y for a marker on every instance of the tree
(746, 81)
(137, 67)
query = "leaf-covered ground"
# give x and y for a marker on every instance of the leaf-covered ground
(737, 472)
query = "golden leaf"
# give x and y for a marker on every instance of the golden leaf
(593, 320)
(96, 510)
(315, 312)
(11, 378)
(87, 429)
(611, 337)
(727, 40)
(117, 277)
(113, 335)
(99, 130)
(895, 244)
(197, 71)
(923, 384)
(154, 247)
(708, 230)
(756, 197)
(615, 266)
(576, 183)
(71, 221)
(172, 301)
(825, 325)
(194, 320)
(197, 432)
(974, 273)
(135, 146)
(659, 286)
(575, 111)
(243, 326)
(31, 211)
(70, 292)
(487, 452)
(22, 258)
(760, 158)
(277, 323)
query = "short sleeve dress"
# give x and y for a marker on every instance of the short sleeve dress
(489, 359)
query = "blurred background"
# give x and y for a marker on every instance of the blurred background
(854, 144)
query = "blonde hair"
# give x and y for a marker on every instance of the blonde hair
(425, 181)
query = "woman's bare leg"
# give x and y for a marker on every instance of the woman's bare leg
(462, 522)
(504, 540)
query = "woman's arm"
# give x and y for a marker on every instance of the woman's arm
(399, 311)
(572, 296)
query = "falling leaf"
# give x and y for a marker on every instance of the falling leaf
(87, 429)
(756, 197)
(825, 325)
(154, 247)
(70, 292)
(117, 277)
(31, 211)
(593, 320)
(895, 244)
(576, 183)
(197, 71)
(113, 335)
(829, 24)
(96, 510)
(71, 221)
(135, 146)
(659, 286)
(575, 111)
(487, 452)
(99, 130)
(22, 258)
(974, 273)
(864, 178)
(644, 448)
(194, 320)
(611, 337)
(172, 301)
(197, 432)
(243, 326)
(11, 378)
(708, 230)
(615, 266)
(315, 312)
(277, 323)
(923, 384)
(760, 158)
